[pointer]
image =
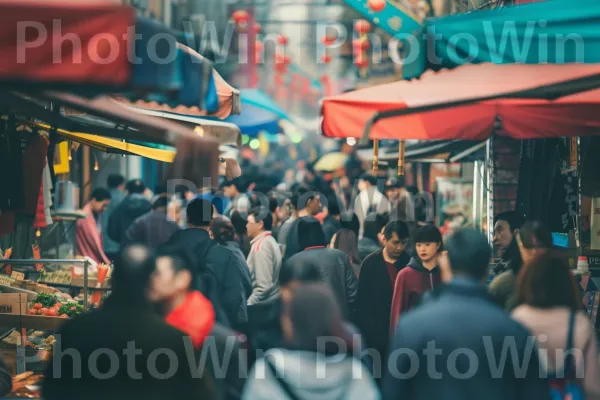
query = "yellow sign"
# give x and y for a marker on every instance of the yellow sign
(6, 280)
(61, 158)
(18, 275)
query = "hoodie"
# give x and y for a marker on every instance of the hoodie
(195, 317)
(411, 284)
(131, 208)
(310, 376)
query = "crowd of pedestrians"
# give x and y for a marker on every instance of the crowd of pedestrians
(296, 289)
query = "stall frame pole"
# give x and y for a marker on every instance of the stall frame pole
(489, 166)
(85, 263)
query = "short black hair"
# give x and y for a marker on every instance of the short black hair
(349, 220)
(372, 179)
(374, 223)
(303, 195)
(262, 214)
(395, 183)
(333, 205)
(135, 186)
(400, 228)
(469, 253)
(514, 219)
(101, 194)
(159, 202)
(237, 182)
(299, 272)
(134, 266)
(239, 222)
(310, 233)
(181, 260)
(114, 180)
(429, 234)
(199, 212)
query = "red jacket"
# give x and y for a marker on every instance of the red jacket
(410, 285)
(195, 317)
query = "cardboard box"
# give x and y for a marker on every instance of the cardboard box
(13, 303)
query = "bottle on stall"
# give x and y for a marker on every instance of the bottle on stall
(583, 266)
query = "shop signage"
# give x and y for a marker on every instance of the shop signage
(5, 280)
(17, 275)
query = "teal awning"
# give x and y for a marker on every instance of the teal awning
(552, 31)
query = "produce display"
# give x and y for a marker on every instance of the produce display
(61, 277)
(48, 305)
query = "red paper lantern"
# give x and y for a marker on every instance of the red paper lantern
(281, 68)
(282, 59)
(258, 46)
(257, 28)
(361, 62)
(362, 26)
(328, 40)
(326, 58)
(361, 44)
(376, 5)
(240, 17)
(282, 40)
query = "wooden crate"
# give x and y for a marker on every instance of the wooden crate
(13, 303)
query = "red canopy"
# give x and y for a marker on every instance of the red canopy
(346, 115)
(37, 43)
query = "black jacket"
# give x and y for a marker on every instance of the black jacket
(338, 273)
(472, 359)
(375, 293)
(264, 325)
(128, 337)
(226, 290)
(131, 208)
(153, 230)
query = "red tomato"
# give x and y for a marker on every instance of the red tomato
(53, 312)
(31, 312)
(64, 316)
(38, 312)
(37, 306)
(44, 311)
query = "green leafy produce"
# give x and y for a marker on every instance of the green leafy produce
(45, 299)
(71, 309)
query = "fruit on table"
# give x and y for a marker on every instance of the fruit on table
(37, 306)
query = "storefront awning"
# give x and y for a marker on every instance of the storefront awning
(446, 151)
(465, 104)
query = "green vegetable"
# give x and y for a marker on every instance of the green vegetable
(45, 299)
(71, 309)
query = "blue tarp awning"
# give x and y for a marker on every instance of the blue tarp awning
(259, 99)
(252, 120)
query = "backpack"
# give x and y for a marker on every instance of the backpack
(567, 387)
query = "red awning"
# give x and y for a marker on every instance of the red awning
(64, 43)
(346, 115)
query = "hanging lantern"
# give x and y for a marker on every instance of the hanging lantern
(240, 16)
(401, 147)
(287, 60)
(361, 61)
(281, 68)
(376, 5)
(362, 26)
(326, 58)
(257, 28)
(375, 155)
(258, 46)
(282, 40)
(362, 44)
(328, 40)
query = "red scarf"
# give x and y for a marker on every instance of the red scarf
(195, 317)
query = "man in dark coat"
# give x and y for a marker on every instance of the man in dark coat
(123, 350)
(131, 208)
(308, 203)
(213, 259)
(376, 288)
(334, 264)
(154, 228)
(459, 344)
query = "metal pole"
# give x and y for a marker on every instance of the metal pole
(579, 210)
(489, 162)
(86, 264)
(44, 261)
(476, 198)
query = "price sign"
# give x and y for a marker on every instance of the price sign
(17, 275)
(5, 280)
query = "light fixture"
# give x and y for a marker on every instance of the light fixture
(254, 144)
(245, 139)
(351, 141)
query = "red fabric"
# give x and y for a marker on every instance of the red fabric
(346, 115)
(89, 240)
(34, 161)
(195, 317)
(408, 289)
(392, 272)
(40, 218)
(31, 61)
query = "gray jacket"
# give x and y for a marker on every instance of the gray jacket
(264, 263)
(310, 376)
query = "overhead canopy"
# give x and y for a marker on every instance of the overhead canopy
(445, 151)
(346, 115)
(555, 32)
(260, 99)
(252, 120)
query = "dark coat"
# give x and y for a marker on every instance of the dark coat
(131, 208)
(367, 246)
(375, 292)
(462, 316)
(215, 261)
(338, 273)
(246, 280)
(153, 230)
(330, 227)
(264, 325)
(112, 329)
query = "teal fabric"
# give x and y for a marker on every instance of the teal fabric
(259, 99)
(551, 31)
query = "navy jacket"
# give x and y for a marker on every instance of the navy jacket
(463, 324)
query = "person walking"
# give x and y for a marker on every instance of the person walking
(309, 205)
(422, 274)
(294, 373)
(131, 208)
(264, 260)
(451, 345)
(376, 287)
(153, 229)
(550, 307)
(333, 264)
(116, 187)
(345, 240)
(88, 231)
